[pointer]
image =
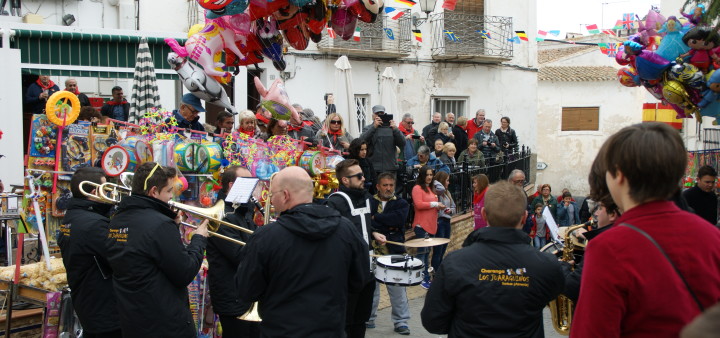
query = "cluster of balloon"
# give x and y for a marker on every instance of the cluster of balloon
(276, 101)
(675, 62)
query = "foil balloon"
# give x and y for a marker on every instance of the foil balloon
(366, 10)
(712, 93)
(687, 74)
(214, 5)
(628, 77)
(343, 22)
(651, 66)
(294, 26)
(654, 88)
(230, 8)
(272, 41)
(198, 83)
(276, 101)
(675, 93)
(317, 19)
(672, 45)
(259, 9)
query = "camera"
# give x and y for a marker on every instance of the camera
(386, 118)
(417, 137)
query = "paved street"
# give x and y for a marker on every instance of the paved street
(384, 327)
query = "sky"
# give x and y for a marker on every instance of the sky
(573, 15)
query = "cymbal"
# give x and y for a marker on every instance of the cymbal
(425, 242)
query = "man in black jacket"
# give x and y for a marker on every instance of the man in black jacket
(702, 198)
(151, 267)
(389, 213)
(353, 203)
(498, 285)
(117, 108)
(301, 267)
(82, 243)
(382, 142)
(224, 258)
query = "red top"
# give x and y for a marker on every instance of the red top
(425, 215)
(629, 289)
(472, 128)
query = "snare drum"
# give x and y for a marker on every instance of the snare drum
(313, 162)
(208, 157)
(398, 270)
(117, 160)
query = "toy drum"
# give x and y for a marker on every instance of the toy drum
(208, 157)
(333, 160)
(164, 152)
(144, 152)
(185, 156)
(313, 162)
(398, 270)
(117, 160)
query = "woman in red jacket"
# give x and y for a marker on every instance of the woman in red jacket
(426, 205)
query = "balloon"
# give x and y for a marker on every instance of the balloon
(203, 46)
(259, 9)
(232, 8)
(239, 23)
(271, 40)
(343, 22)
(252, 48)
(672, 45)
(317, 19)
(276, 101)
(366, 10)
(214, 5)
(198, 83)
(675, 93)
(712, 94)
(628, 77)
(293, 22)
(687, 74)
(651, 66)
(621, 58)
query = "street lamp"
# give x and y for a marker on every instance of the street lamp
(427, 6)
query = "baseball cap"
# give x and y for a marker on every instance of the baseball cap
(378, 109)
(193, 101)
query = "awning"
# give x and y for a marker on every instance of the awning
(87, 55)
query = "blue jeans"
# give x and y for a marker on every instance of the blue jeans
(423, 253)
(443, 231)
(398, 300)
(539, 241)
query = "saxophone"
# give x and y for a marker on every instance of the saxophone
(561, 308)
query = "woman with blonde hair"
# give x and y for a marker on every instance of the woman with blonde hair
(448, 155)
(480, 184)
(333, 134)
(248, 124)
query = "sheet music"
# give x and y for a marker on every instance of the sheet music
(550, 224)
(241, 190)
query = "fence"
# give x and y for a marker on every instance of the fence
(461, 178)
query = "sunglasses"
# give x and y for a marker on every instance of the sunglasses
(335, 122)
(358, 175)
(411, 122)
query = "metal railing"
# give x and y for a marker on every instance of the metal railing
(461, 178)
(375, 37)
(470, 35)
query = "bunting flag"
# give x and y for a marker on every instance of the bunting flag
(356, 35)
(592, 29)
(618, 24)
(484, 34)
(554, 33)
(449, 4)
(450, 35)
(417, 34)
(389, 33)
(330, 32)
(613, 49)
(514, 39)
(393, 13)
(541, 35)
(408, 3)
(609, 32)
(522, 35)
(603, 47)
(627, 20)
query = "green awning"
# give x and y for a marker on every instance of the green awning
(87, 55)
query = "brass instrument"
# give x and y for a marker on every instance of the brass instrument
(562, 308)
(116, 192)
(268, 204)
(214, 214)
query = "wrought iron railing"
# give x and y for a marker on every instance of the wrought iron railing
(470, 35)
(375, 37)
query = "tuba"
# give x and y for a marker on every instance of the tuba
(562, 308)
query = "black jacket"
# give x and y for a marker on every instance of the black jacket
(572, 277)
(107, 110)
(508, 137)
(33, 103)
(382, 141)
(82, 244)
(391, 221)
(152, 269)
(358, 197)
(224, 258)
(300, 269)
(497, 286)
(429, 132)
(704, 204)
(461, 140)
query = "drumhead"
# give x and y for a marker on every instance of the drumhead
(410, 263)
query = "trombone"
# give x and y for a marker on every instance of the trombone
(116, 192)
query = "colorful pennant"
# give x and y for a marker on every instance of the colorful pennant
(356, 35)
(522, 35)
(409, 3)
(449, 4)
(627, 20)
(393, 13)
(609, 32)
(330, 32)
(484, 34)
(389, 33)
(450, 35)
(541, 35)
(515, 39)
(554, 33)
(592, 29)
(417, 34)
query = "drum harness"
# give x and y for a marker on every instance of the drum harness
(359, 212)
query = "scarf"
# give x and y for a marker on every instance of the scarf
(294, 128)
(335, 134)
(262, 118)
(380, 205)
(478, 197)
(76, 92)
(114, 103)
(44, 87)
(406, 132)
(248, 133)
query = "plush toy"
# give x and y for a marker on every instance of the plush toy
(276, 101)
(198, 83)
(203, 46)
(702, 41)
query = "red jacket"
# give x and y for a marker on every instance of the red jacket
(533, 229)
(629, 289)
(425, 215)
(472, 128)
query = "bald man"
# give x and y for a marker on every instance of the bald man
(301, 267)
(225, 257)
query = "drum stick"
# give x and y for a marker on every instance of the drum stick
(395, 243)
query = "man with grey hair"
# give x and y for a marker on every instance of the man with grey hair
(430, 131)
(476, 124)
(488, 142)
(383, 139)
(302, 285)
(72, 86)
(450, 119)
(413, 139)
(425, 157)
(517, 177)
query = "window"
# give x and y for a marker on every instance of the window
(580, 118)
(361, 109)
(444, 105)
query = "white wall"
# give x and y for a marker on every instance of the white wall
(570, 154)
(11, 166)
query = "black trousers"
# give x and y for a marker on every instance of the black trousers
(112, 334)
(233, 327)
(358, 311)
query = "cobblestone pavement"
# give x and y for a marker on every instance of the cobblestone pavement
(416, 294)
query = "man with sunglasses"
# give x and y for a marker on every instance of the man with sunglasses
(413, 139)
(188, 115)
(353, 203)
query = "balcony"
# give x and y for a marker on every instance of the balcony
(459, 36)
(373, 39)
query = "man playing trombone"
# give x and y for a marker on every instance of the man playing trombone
(225, 257)
(151, 267)
(82, 244)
